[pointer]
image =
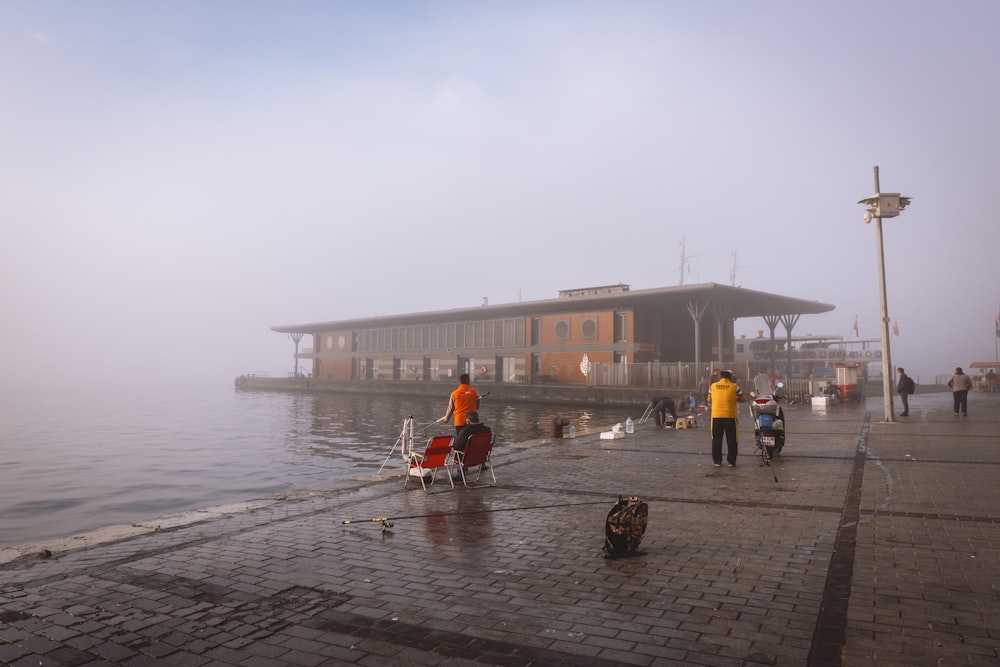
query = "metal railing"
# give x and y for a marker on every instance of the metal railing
(685, 376)
(672, 375)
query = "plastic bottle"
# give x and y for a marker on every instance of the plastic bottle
(629, 426)
(572, 430)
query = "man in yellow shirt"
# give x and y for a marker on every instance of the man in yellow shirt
(723, 396)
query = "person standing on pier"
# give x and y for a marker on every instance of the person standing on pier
(462, 401)
(723, 397)
(904, 387)
(960, 384)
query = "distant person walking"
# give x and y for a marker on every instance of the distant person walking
(960, 384)
(462, 401)
(904, 388)
(723, 397)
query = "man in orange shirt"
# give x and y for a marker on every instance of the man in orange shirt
(463, 400)
(723, 397)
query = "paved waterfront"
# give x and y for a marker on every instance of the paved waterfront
(879, 544)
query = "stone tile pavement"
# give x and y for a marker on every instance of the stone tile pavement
(878, 545)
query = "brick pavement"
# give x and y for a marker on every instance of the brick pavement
(878, 545)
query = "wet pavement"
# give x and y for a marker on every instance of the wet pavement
(879, 544)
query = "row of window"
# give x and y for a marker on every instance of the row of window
(452, 336)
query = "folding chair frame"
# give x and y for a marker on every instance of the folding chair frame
(436, 455)
(476, 455)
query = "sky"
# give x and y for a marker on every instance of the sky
(178, 176)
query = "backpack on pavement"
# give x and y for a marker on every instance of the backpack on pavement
(625, 526)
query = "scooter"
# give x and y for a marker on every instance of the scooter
(769, 418)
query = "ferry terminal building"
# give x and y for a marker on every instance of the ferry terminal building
(569, 340)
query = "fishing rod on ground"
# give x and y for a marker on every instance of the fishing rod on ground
(386, 521)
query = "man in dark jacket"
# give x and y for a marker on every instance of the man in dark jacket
(661, 406)
(472, 426)
(904, 387)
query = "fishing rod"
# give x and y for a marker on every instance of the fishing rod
(439, 420)
(406, 438)
(386, 521)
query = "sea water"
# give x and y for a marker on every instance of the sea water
(74, 459)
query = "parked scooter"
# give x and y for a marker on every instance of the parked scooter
(769, 418)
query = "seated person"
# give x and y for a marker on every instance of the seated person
(472, 426)
(662, 405)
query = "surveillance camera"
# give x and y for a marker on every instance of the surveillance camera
(868, 217)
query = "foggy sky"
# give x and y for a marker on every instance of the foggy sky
(177, 177)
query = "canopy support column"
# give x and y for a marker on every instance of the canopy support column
(697, 310)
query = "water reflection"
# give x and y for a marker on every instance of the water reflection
(76, 459)
(359, 432)
(469, 525)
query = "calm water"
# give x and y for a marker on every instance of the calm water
(76, 459)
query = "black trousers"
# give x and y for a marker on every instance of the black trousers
(724, 426)
(905, 398)
(961, 401)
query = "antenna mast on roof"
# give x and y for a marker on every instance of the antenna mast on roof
(684, 258)
(732, 274)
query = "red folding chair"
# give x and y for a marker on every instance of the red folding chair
(436, 455)
(477, 454)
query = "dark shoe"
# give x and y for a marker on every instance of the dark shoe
(965, 414)
(904, 414)
(732, 465)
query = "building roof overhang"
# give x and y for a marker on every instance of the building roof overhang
(734, 302)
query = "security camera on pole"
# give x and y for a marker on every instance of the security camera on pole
(884, 205)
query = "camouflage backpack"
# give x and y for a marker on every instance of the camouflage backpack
(625, 526)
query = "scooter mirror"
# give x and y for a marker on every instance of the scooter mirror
(780, 385)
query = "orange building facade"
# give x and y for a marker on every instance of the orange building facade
(554, 340)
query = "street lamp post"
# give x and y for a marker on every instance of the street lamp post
(884, 205)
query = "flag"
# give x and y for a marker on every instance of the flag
(856, 334)
(998, 323)
(895, 327)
